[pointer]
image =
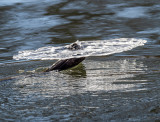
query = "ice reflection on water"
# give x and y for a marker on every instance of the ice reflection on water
(99, 76)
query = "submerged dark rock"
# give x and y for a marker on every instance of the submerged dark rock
(63, 64)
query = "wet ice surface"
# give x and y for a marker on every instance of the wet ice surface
(88, 48)
(119, 87)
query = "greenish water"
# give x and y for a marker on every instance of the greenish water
(119, 87)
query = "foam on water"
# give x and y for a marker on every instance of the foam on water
(88, 48)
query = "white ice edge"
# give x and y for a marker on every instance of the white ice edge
(89, 48)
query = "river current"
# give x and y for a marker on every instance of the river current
(118, 86)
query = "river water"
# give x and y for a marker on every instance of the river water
(119, 87)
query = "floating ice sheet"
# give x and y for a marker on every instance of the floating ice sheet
(88, 48)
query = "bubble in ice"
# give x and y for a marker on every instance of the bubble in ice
(88, 48)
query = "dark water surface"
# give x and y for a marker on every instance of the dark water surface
(120, 87)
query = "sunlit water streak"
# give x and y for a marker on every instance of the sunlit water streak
(64, 84)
